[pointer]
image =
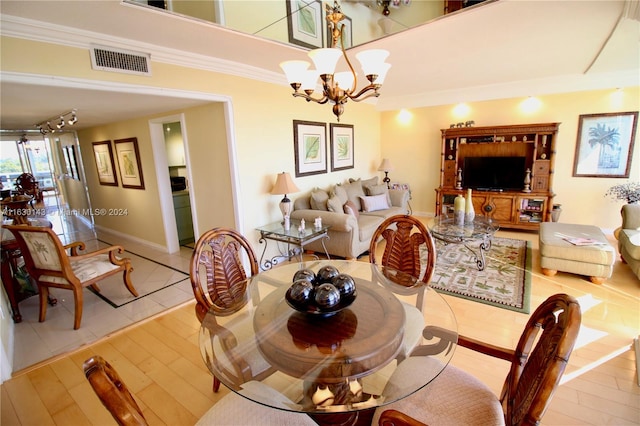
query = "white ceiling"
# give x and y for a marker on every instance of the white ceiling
(501, 49)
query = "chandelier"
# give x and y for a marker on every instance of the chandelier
(57, 122)
(337, 87)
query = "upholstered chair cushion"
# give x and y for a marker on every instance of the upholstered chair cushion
(85, 270)
(234, 410)
(453, 398)
(43, 251)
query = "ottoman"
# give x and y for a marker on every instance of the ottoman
(557, 254)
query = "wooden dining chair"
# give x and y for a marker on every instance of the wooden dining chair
(231, 409)
(219, 282)
(113, 393)
(27, 184)
(537, 364)
(410, 249)
(50, 265)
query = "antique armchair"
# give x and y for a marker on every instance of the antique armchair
(26, 184)
(113, 393)
(537, 364)
(50, 265)
(407, 241)
(219, 282)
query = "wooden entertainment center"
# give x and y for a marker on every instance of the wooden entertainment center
(513, 203)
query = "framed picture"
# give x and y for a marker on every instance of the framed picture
(341, 146)
(129, 163)
(347, 34)
(310, 145)
(305, 23)
(104, 163)
(605, 144)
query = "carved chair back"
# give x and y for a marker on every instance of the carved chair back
(409, 247)
(540, 358)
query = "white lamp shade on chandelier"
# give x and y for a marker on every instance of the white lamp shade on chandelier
(337, 87)
(284, 185)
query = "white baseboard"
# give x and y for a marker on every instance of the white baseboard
(128, 237)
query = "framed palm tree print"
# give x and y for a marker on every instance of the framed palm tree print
(605, 144)
(341, 146)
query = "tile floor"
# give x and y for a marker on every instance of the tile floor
(35, 341)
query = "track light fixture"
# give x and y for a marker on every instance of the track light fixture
(59, 120)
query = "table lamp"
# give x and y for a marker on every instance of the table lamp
(284, 185)
(386, 167)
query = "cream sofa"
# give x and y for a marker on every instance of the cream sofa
(353, 210)
(629, 237)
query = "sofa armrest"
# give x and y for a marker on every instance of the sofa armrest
(399, 198)
(337, 221)
(630, 216)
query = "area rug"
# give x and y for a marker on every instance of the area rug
(148, 277)
(505, 282)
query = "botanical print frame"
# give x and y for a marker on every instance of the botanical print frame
(341, 146)
(304, 20)
(105, 165)
(605, 144)
(347, 34)
(129, 163)
(310, 145)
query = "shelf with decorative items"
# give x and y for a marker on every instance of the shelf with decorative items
(504, 166)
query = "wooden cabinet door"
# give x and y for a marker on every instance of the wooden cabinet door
(496, 206)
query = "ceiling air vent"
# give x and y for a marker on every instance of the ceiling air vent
(119, 60)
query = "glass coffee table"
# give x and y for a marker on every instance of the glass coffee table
(294, 239)
(481, 231)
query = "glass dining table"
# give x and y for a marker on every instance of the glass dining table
(391, 341)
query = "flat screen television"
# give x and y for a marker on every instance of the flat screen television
(493, 173)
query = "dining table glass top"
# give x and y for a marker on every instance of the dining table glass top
(389, 342)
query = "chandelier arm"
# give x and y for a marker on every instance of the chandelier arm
(357, 97)
(308, 98)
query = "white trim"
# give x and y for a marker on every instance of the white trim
(122, 235)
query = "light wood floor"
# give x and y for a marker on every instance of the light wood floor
(160, 361)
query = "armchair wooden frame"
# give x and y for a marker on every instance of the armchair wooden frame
(62, 269)
(113, 393)
(537, 363)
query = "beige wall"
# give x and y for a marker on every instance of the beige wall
(414, 148)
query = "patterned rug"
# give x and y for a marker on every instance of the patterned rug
(505, 281)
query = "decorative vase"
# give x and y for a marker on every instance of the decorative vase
(469, 212)
(459, 210)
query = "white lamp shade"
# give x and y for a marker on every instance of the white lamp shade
(309, 80)
(294, 70)
(284, 185)
(325, 59)
(385, 166)
(344, 79)
(371, 60)
(382, 73)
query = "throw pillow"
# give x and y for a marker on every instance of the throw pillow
(374, 202)
(334, 204)
(350, 208)
(354, 192)
(340, 192)
(377, 190)
(366, 182)
(319, 198)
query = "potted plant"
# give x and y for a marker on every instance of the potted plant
(629, 192)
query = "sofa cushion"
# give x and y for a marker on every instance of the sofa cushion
(341, 193)
(350, 208)
(377, 190)
(319, 198)
(366, 182)
(354, 192)
(334, 204)
(375, 202)
(367, 225)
